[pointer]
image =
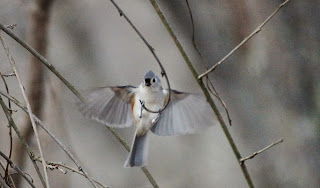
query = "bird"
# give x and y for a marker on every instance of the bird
(122, 106)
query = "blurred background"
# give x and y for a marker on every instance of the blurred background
(271, 87)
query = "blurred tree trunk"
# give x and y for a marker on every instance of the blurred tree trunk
(38, 39)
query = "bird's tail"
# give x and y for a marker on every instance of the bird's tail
(138, 155)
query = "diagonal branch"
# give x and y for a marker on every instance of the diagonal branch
(42, 125)
(10, 128)
(242, 160)
(71, 88)
(56, 165)
(17, 169)
(43, 60)
(205, 91)
(6, 181)
(21, 138)
(257, 30)
(28, 107)
(163, 72)
(209, 83)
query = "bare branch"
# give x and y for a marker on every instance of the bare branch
(38, 26)
(42, 125)
(21, 138)
(43, 60)
(69, 85)
(144, 169)
(214, 92)
(10, 128)
(163, 72)
(242, 160)
(205, 91)
(3, 183)
(28, 106)
(209, 83)
(11, 26)
(8, 181)
(192, 22)
(8, 75)
(56, 165)
(257, 30)
(17, 169)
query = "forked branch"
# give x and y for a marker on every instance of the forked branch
(13, 66)
(17, 169)
(205, 91)
(74, 90)
(242, 160)
(257, 30)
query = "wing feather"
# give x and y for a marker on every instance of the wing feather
(185, 114)
(109, 105)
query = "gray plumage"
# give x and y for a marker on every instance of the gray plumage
(138, 155)
(108, 105)
(112, 106)
(185, 114)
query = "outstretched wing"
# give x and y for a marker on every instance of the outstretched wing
(185, 114)
(109, 105)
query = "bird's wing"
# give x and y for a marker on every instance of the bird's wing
(185, 114)
(109, 105)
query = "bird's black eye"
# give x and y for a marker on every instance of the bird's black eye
(153, 80)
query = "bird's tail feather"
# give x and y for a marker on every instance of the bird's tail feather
(138, 155)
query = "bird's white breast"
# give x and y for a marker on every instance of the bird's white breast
(154, 100)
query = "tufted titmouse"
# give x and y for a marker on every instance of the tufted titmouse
(120, 107)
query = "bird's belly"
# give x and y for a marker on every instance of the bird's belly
(144, 119)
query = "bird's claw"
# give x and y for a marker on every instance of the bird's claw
(155, 120)
(142, 106)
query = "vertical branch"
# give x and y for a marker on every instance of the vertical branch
(45, 128)
(11, 60)
(10, 128)
(205, 91)
(17, 169)
(38, 37)
(62, 78)
(209, 83)
(21, 138)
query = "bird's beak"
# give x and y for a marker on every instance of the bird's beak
(147, 82)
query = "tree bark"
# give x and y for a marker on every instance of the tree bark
(38, 39)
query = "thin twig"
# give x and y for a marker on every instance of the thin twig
(214, 92)
(209, 83)
(42, 125)
(242, 160)
(17, 169)
(43, 60)
(205, 91)
(257, 30)
(192, 22)
(11, 26)
(3, 182)
(64, 80)
(22, 139)
(10, 128)
(8, 75)
(163, 72)
(55, 165)
(11, 60)
(53, 69)
(8, 180)
(7, 89)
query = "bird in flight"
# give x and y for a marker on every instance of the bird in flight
(122, 106)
